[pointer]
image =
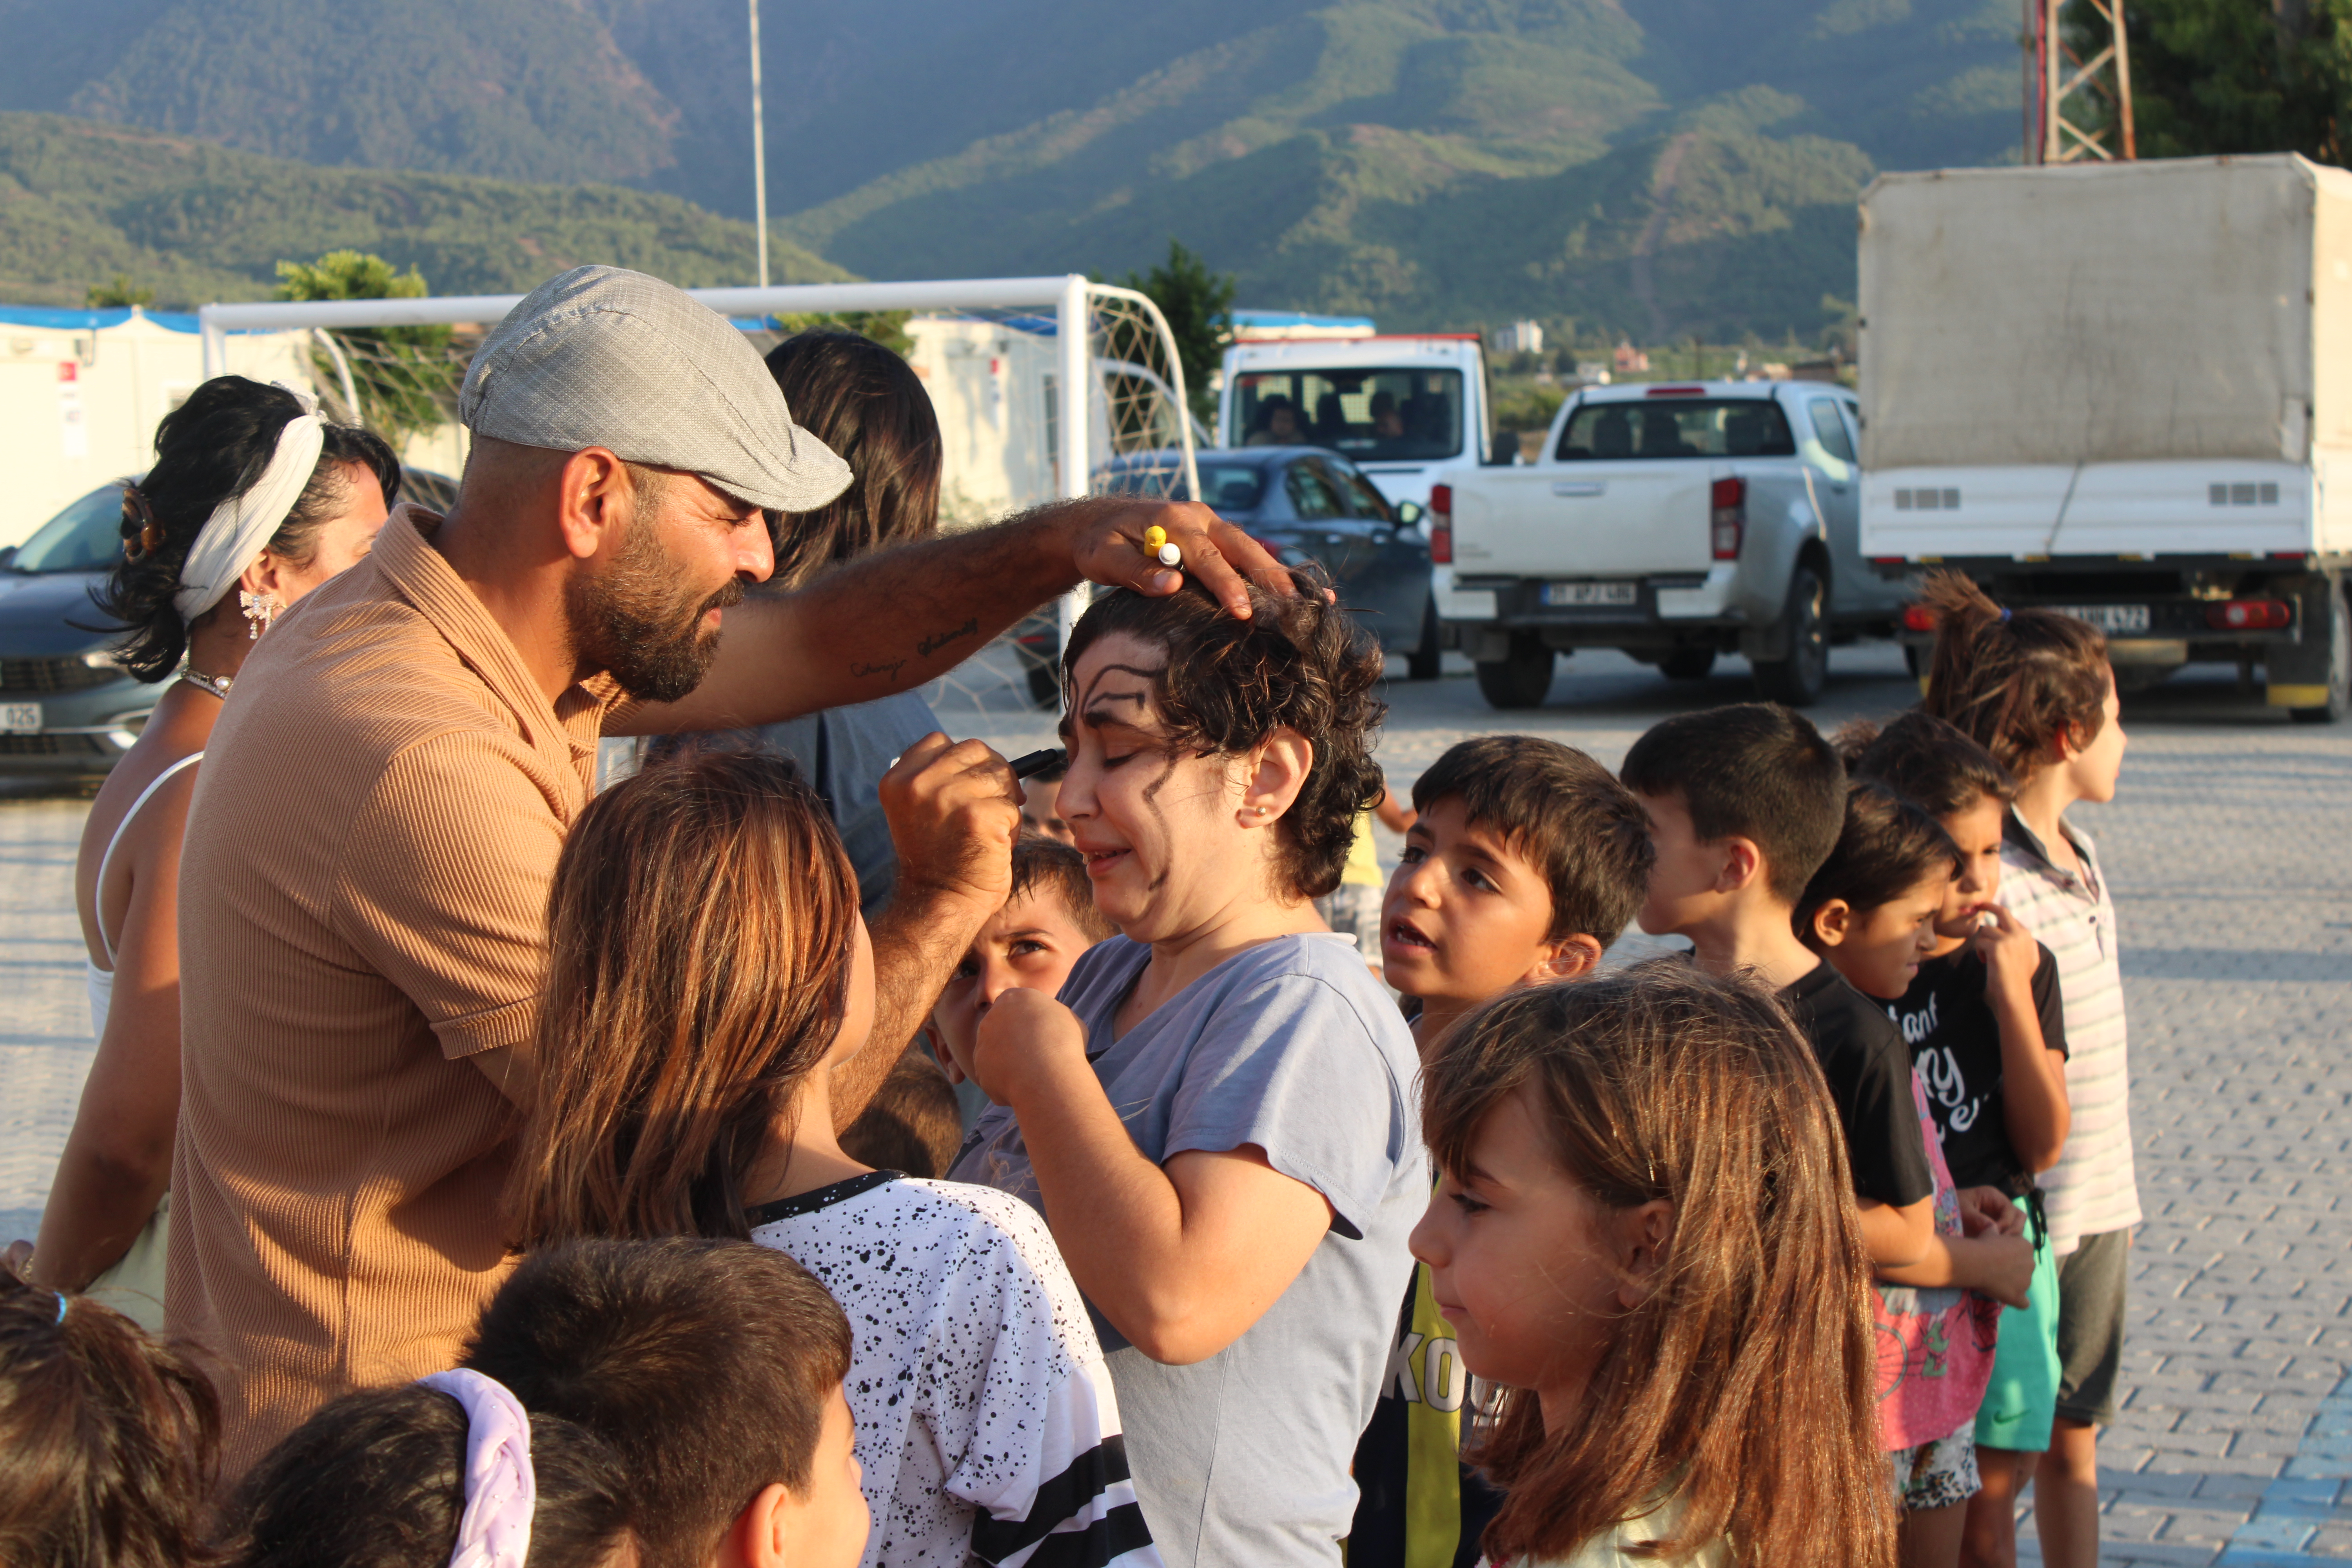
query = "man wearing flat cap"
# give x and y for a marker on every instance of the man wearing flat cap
(363, 889)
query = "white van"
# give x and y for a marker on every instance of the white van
(1400, 408)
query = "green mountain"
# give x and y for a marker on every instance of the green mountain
(80, 202)
(1653, 167)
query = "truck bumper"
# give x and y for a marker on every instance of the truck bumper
(2161, 614)
(1686, 610)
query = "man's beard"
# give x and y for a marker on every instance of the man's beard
(632, 621)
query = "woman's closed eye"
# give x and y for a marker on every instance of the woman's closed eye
(1466, 1202)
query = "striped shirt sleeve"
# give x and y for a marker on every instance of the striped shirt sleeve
(1038, 1452)
(2094, 1187)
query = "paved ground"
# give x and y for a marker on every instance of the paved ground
(2231, 852)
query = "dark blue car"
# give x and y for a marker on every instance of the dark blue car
(1308, 503)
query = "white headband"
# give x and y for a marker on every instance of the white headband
(242, 526)
(500, 1489)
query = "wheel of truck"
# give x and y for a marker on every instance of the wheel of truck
(1798, 680)
(1522, 680)
(1687, 664)
(1423, 661)
(2339, 671)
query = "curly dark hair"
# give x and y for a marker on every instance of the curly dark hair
(1300, 664)
(211, 448)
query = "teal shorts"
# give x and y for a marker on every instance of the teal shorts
(2022, 1398)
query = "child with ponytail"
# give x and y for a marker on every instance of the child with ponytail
(2034, 689)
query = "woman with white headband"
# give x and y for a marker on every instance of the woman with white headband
(252, 501)
(447, 1471)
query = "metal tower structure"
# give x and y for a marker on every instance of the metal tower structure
(2077, 108)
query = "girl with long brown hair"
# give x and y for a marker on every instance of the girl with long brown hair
(1643, 1233)
(2034, 688)
(708, 971)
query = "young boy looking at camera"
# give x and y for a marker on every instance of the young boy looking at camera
(1745, 804)
(1523, 861)
(1030, 945)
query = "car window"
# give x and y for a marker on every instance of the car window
(1619, 430)
(1362, 498)
(85, 537)
(1230, 486)
(1373, 415)
(1311, 495)
(1831, 429)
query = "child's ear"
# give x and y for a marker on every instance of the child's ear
(1742, 863)
(1573, 957)
(1832, 923)
(757, 1537)
(1644, 1234)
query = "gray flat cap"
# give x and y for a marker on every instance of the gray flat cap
(604, 357)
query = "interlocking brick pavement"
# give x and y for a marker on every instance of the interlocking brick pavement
(2231, 853)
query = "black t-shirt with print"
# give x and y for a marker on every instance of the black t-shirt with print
(1955, 1043)
(1862, 1055)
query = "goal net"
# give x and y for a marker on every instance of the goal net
(996, 355)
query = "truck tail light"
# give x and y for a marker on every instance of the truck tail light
(1726, 518)
(1918, 618)
(2248, 616)
(1441, 525)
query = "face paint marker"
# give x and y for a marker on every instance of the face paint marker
(1155, 544)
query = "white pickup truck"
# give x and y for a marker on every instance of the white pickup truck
(1673, 523)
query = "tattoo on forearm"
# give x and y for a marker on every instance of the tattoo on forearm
(888, 671)
(938, 640)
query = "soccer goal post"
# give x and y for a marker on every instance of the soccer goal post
(1114, 343)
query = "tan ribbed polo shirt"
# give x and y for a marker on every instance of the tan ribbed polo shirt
(362, 905)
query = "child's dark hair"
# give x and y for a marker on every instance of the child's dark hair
(1755, 771)
(1743, 1383)
(1299, 663)
(866, 404)
(1562, 810)
(1049, 867)
(1928, 762)
(2020, 683)
(108, 1438)
(704, 1365)
(1888, 847)
(212, 446)
(913, 1122)
(377, 1479)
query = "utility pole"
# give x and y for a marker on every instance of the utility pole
(759, 150)
(2076, 108)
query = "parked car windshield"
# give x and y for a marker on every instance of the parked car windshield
(1230, 486)
(1683, 427)
(85, 537)
(1371, 414)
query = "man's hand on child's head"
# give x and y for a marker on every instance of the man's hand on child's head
(954, 809)
(1024, 1037)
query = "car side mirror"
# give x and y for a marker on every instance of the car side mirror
(1409, 515)
(8, 557)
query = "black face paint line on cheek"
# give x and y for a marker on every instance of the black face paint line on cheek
(1158, 816)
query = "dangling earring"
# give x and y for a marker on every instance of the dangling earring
(260, 609)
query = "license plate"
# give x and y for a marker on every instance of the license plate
(20, 718)
(2109, 618)
(1565, 594)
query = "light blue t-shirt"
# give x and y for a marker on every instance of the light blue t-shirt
(1292, 1046)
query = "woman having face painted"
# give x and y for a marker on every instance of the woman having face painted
(1216, 1116)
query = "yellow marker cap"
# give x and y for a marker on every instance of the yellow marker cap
(1154, 537)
